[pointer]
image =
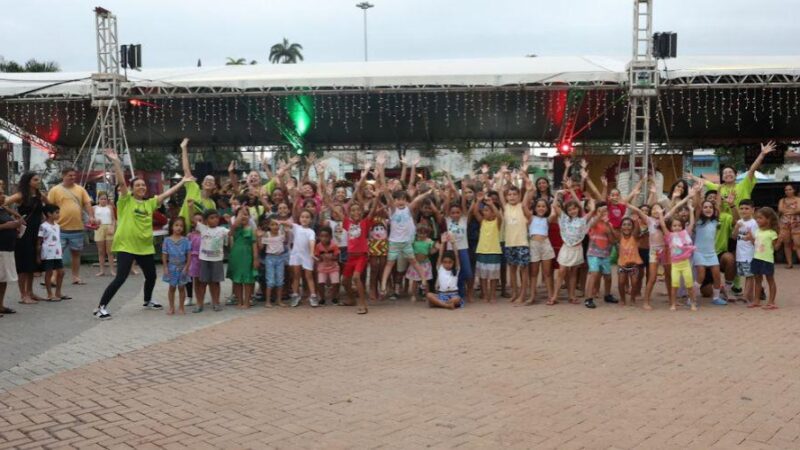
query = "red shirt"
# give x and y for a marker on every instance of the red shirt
(328, 258)
(616, 213)
(357, 235)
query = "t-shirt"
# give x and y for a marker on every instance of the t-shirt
(134, 232)
(212, 242)
(616, 213)
(274, 245)
(302, 238)
(103, 214)
(742, 190)
(357, 242)
(459, 231)
(745, 250)
(339, 233)
(71, 206)
(51, 241)
(200, 204)
(401, 225)
(516, 226)
(573, 230)
(8, 238)
(422, 247)
(599, 241)
(328, 258)
(764, 249)
(446, 280)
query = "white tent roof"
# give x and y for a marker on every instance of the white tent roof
(469, 72)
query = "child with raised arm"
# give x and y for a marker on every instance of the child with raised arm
(629, 261)
(401, 233)
(243, 262)
(573, 228)
(447, 266)
(424, 246)
(357, 227)
(517, 249)
(301, 258)
(677, 235)
(745, 228)
(766, 242)
(176, 253)
(705, 254)
(489, 253)
(598, 255)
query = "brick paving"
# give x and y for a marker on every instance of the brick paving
(405, 376)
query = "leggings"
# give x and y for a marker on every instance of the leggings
(124, 264)
(681, 269)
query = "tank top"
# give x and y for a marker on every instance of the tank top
(538, 227)
(103, 214)
(489, 240)
(629, 252)
(515, 224)
(704, 237)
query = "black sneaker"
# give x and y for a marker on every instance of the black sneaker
(101, 313)
(610, 299)
(589, 303)
(153, 305)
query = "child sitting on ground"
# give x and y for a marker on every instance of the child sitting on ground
(447, 268)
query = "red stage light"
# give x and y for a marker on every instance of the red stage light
(565, 149)
(135, 102)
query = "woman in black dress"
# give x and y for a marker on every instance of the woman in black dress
(29, 201)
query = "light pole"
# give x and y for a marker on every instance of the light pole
(365, 6)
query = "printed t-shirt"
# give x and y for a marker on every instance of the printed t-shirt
(328, 258)
(51, 241)
(764, 248)
(745, 250)
(357, 235)
(212, 242)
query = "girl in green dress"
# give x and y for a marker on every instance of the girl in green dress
(243, 260)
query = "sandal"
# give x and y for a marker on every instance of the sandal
(754, 305)
(28, 301)
(770, 307)
(361, 311)
(78, 282)
(53, 300)
(198, 309)
(66, 297)
(551, 302)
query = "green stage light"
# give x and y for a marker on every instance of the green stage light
(300, 109)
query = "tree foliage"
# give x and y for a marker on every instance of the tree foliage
(285, 53)
(33, 65)
(495, 160)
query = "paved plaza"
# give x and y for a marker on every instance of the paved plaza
(404, 376)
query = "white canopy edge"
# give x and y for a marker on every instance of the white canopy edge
(465, 72)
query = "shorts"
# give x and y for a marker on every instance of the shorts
(570, 256)
(8, 267)
(705, 260)
(598, 264)
(342, 255)
(682, 269)
(212, 271)
(103, 233)
(644, 253)
(52, 264)
(427, 272)
(488, 266)
(657, 255)
(301, 259)
(518, 256)
(330, 277)
(760, 267)
(72, 239)
(356, 263)
(632, 271)
(397, 249)
(743, 269)
(445, 297)
(541, 250)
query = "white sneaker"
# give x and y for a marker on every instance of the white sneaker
(153, 305)
(101, 313)
(314, 301)
(295, 300)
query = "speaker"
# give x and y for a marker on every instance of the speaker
(673, 45)
(665, 45)
(123, 56)
(135, 56)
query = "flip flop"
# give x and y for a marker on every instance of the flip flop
(754, 305)
(53, 300)
(66, 297)
(7, 311)
(770, 307)
(362, 311)
(30, 302)
(79, 282)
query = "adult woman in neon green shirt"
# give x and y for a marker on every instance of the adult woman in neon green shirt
(133, 239)
(201, 196)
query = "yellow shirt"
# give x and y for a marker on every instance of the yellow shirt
(489, 240)
(516, 226)
(71, 206)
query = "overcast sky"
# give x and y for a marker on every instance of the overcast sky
(176, 33)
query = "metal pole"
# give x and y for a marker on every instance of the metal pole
(366, 57)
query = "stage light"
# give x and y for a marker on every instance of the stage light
(565, 149)
(135, 102)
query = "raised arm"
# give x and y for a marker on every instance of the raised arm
(696, 188)
(187, 169)
(765, 150)
(118, 173)
(474, 208)
(637, 189)
(692, 219)
(169, 192)
(232, 177)
(590, 184)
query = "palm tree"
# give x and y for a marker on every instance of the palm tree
(285, 53)
(236, 62)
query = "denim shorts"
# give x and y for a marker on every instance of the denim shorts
(400, 249)
(759, 267)
(72, 239)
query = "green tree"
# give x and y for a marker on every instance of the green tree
(285, 53)
(33, 65)
(495, 160)
(236, 62)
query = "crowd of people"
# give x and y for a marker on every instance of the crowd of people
(322, 241)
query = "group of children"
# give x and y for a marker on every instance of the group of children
(306, 240)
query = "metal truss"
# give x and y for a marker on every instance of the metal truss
(26, 136)
(744, 81)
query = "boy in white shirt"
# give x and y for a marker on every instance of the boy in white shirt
(213, 239)
(49, 253)
(745, 228)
